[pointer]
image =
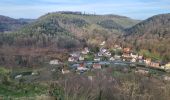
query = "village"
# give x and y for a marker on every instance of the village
(85, 59)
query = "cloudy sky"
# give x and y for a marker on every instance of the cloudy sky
(137, 9)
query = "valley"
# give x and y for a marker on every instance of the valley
(69, 55)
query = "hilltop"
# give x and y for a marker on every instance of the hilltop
(10, 24)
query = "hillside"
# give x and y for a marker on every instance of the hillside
(10, 24)
(72, 29)
(152, 34)
(55, 32)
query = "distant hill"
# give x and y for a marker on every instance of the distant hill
(75, 28)
(152, 34)
(10, 24)
(156, 25)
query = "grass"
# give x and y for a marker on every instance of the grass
(4, 71)
(21, 90)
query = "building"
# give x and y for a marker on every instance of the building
(117, 57)
(126, 55)
(103, 43)
(103, 50)
(117, 47)
(126, 50)
(167, 66)
(82, 67)
(85, 51)
(142, 71)
(134, 55)
(65, 71)
(147, 61)
(108, 54)
(71, 59)
(54, 62)
(155, 64)
(100, 54)
(81, 58)
(133, 60)
(97, 59)
(97, 66)
(112, 59)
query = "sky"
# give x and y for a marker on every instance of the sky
(136, 9)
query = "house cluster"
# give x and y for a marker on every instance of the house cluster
(78, 56)
(127, 54)
(106, 54)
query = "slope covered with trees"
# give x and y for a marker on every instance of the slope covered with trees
(152, 35)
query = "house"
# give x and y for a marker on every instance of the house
(103, 43)
(117, 47)
(108, 54)
(167, 66)
(18, 76)
(103, 50)
(147, 61)
(140, 57)
(155, 64)
(117, 57)
(112, 59)
(142, 71)
(166, 78)
(134, 55)
(133, 60)
(97, 59)
(34, 73)
(126, 50)
(100, 54)
(126, 55)
(85, 51)
(71, 59)
(82, 67)
(81, 58)
(65, 71)
(75, 54)
(97, 66)
(54, 62)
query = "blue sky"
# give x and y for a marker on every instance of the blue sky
(137, 9)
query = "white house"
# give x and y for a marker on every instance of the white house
(167, 66)
(71, 59)
(133, 55)
(103, 43)
(18, 76)
(100, 54)
(133, 60)
(85, 50)
(54, 62)
(81, 58)
(117, 57)
(103, 50)
(108, 54)
(65, 71)
(112, 59)
(96, 59)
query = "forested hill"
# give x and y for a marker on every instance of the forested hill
(156, 25)
(69, 29)
(10, 24)
(152, 34)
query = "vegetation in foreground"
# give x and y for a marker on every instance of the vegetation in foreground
(120, 83)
